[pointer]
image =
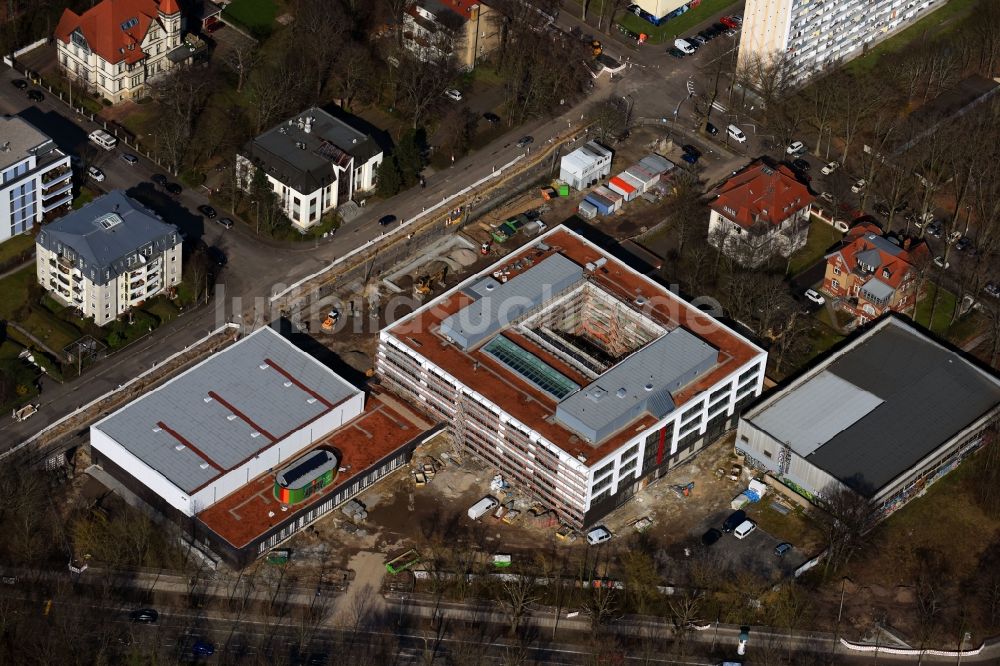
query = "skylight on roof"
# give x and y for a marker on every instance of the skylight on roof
(109, 220)
(129, 24)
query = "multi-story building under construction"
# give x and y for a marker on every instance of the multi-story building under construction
(577, 378)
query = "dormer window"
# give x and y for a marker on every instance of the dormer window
(885, 273)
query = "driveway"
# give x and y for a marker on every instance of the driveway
(755, 553)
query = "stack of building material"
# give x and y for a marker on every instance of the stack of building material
(355, 510)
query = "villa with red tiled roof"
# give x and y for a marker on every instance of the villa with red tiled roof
(761, 211)
(117, 46)
(463, 29)
(872, 274)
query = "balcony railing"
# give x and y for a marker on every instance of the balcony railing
(56, 174)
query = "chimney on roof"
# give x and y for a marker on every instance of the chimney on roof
(906, 243)
(6, 147)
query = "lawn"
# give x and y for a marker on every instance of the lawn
(821, 237)
(942, 313)
(257, 16)
(14, 291)
(18, 245)
(50, 329)
(676, 27)
(162, 309)
(930, 25)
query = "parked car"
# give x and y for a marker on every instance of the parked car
(992, 289)
(827, 197)
(711, 129)
(953, 237)
(720, 27)
(525, 140)
(736, 134)
(226, 222)
(676, 52)
(710, 537)
(734, 520)
(782, 549)
(212, 27)
(801, 165)
(729, 22)
(921, 221)
(173, 188)
(940, 262)
(598, 535)
(795, 148)
(144, 616)
(691, 150)
(684, 45)
(203, 648)
(453, 94)
(386, 220)
(690, 158)
(697, 40)
(491, 118)
(20, 84)
(964, 243)
(829, 168)
(744, 529)
(217, 256)
(36, 95)
(159, 179)
(814, 296)
(207, 211)
(96, 174)
(935, 228)
(859, 185)
(129, 159)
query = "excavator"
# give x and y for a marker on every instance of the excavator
(331, 321)
(422, 284)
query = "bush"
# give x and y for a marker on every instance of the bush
(121, 333)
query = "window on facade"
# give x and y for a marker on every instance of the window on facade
(834, 284)
(767, 453)
(836, 270)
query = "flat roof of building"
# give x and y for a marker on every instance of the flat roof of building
(384, 426)
(18, 139)
(579, 398)
(874, 409)
(217, 415)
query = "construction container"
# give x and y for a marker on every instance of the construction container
(647, 179)
(308, 475)
(586, 210)
(563, 190)
(601, 205)
(633, 181)
(612, 196)
(655, 164)
(623, 188)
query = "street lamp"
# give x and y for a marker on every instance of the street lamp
(257, 216)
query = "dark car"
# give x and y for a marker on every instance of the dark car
(20, 84)
(691, 150)
(129, 159)
(801, 165)
(525, 140)
(144, 615)
(676, 52)
(720, 27)
(159, 179)
(710, 537)
(173, 188)
(697, 40)
(207, 211)
(212, 27)
(491, 118)
(734, 520)
(782, 548)
(711, 129)
(203, 648)
(386, 220)
(963, 244)
(936, 228)
(217, 256)
(690, 158)
(882, 209)
(35, 95)
(226, 222)
(707, 34)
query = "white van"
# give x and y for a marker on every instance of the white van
(684, 46)
(736, 134)
(744, 529)
(482, 507)
(103, 139)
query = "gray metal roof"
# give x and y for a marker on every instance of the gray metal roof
(19, 139)
(208, 410)
(656, 164)
(642, 383)
(510, 300)
(793, 419)
(304, 160)
(929, 393)
(877, 290)
(102, 236)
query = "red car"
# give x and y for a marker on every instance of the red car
(212, 27)
(730, 22)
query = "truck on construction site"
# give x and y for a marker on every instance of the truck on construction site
(482, 507)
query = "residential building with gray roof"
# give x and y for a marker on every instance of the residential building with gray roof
(109, 256)
(885, 416)
(313, 162)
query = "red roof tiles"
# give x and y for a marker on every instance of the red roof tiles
(103, 26)
(761, 192)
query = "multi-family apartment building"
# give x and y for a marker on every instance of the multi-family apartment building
(107, 257)
(117, 46)
(760, 212)
(35, 177)
(464, 29)
(313, 163)
(871, 274)
(572, 375)
(815, 34)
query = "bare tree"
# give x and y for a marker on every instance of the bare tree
(242, 57)
(421, 84)
(849, 517)
(601, 606)
(516, 593)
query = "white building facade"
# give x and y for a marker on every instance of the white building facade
(585, 166)
(117, 46)
(816, 34)
(35, 177)
(313, 163)
(108, 257)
